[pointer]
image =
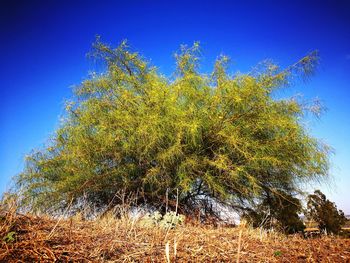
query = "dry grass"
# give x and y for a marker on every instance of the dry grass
(43, 239)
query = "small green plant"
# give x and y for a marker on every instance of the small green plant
(168, 221)
(10, 237)
(277, 253)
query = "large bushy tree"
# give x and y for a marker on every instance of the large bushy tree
(214, 137)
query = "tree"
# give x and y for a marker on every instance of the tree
(277, 210)
(325, 213)
(211, 138)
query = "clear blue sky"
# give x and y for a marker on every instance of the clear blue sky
(43, 46)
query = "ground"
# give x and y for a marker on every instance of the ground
(28, 238)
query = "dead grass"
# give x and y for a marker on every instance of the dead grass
(44, 239)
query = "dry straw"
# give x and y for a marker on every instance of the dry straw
(29, 238)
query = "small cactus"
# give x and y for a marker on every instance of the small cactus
(168, 221)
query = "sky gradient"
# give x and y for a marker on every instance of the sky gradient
(44, 44)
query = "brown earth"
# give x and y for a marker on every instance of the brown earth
(26, 238)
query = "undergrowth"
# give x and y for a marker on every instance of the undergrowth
(41, 238)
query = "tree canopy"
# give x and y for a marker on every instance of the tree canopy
(217, 137)
(277, 210)
(325, 213)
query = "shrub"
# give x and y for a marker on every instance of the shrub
(167, 221)
(216, 136)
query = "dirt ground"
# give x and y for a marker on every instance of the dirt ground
(26, 238)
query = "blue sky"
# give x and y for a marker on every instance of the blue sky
(44, 44)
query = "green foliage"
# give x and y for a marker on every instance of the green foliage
(222, 137)
(167, 221)
(325, 213)
(277, 210)
(277, 253)
(10, 237)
